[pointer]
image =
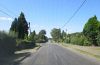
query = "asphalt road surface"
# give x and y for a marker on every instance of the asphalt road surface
(52, 54)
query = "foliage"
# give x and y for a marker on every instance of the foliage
(7, 44)
(32, 36)
(79, 39)
(14, 25)
(89, 36)
(90, 30)
(42, 32)
(73, 38)
(38, 38)
(56, 34)
(63, 36)
(24, 44)
(13, 34)
(98, 39)
(20, 26)
(41, 37)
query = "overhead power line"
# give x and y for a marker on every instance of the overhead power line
(74, 13)
(6, 13)
(4, 7)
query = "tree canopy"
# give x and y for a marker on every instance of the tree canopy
(20, 26)
(14, 25)
(56, 34)
(91, 30)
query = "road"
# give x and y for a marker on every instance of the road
(52, 54)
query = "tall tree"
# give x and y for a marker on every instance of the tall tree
(14, 25)
(91, 30)
(56, 34)
(22, 26)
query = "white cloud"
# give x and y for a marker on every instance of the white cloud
(5, 18)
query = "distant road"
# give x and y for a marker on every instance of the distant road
(52, 54)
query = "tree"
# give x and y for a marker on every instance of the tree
(98, 37)
(78, 39)
(32, 36)
(63, 35)
(56, 34)
(14, 25)
(43, 32)
(22, 26)
(41, 36)
(90, 30)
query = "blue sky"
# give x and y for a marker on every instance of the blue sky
(48, 14)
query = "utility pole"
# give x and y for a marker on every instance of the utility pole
(68, 36)
(29, 28)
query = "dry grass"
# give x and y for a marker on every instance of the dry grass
(89, 50)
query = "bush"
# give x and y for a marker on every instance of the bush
(24, 44)
(7, 44)
(79, 39)
(87, 43)
(98, 39)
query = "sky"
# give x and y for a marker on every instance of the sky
(49, 14)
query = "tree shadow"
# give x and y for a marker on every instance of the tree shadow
(14, 59)
(20, 57)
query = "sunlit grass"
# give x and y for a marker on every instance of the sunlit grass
(88, 50)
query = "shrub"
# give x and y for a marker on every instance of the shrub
(7, 44)
(87, 43)
(98, 39)
(79, 39)
(24, 44)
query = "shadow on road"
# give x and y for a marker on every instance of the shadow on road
(20, 57)
(14, 59)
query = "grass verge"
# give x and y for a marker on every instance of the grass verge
(83, 51)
